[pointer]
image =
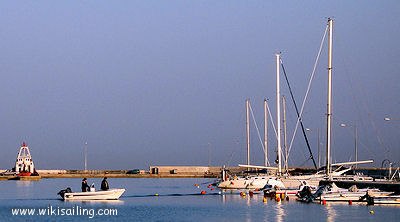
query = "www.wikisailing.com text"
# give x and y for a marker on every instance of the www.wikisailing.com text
(63, 211)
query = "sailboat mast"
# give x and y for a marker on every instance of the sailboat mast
(285, 134)
(248, 131)
(278, 114)
(329, 104)
(265, 133)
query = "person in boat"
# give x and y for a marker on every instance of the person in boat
(85, 186)
(104, 184)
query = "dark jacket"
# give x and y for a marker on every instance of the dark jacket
(104, 185)
(85, 186)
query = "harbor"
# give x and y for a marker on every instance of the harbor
(200, 111)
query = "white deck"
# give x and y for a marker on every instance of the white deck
(112, 194)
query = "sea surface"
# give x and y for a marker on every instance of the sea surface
(169, 200)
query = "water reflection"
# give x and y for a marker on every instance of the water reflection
(331, 213)
(98, 202)
(23, 183)
(280, 212)
(24, 188)
(236, 196)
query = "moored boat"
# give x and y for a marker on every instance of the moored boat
(384, 200)
(332, 193)
(250, 182)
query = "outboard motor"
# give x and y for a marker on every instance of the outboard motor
(62, 192)
(304, 193)
(306, 196)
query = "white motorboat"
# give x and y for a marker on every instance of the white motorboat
(111, 194)
(332, 193)
(383, 200)
(352, 194)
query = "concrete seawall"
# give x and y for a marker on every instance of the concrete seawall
(153, 172)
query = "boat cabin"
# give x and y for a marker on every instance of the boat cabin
(24, 162)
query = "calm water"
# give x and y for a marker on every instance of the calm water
(177, 200)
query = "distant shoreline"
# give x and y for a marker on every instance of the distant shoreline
(161, 172)
(101, 175)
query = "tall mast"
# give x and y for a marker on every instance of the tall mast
(265, 133)
(248, 131)
(285, 134)
(329, 105)
(278, 114)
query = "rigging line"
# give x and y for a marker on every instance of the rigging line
(308, 87)
(298, 117)
(273, 125)
(269, 112)
(258, 131)
(359, 102)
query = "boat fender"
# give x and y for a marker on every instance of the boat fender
(251, 193)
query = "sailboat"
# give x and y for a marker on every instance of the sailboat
(290, 181)
(329, 175)
(347, 181)
(250, 182)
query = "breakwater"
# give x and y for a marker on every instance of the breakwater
(166, 172)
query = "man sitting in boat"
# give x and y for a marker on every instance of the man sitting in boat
(104, 184)
(85, 186)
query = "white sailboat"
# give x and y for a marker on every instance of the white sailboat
(290, 181)
(251, 182)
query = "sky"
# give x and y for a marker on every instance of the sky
(165, 82)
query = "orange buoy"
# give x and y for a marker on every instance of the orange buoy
(323, 202)
(203, 192)
(350, 202)
(278, 199)
(242, 194)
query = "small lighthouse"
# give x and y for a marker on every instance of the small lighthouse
(24, 162)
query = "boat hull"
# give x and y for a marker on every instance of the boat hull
(250, 183)
(112, 194)
(389, 186)
(385, 200)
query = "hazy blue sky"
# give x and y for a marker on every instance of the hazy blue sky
(165, 82)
